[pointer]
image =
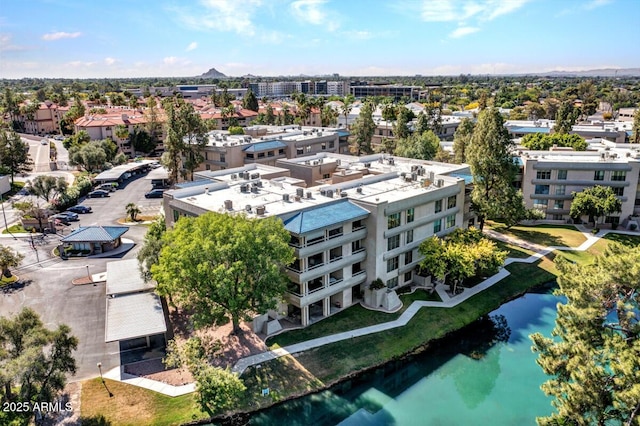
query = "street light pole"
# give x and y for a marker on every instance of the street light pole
(4, 215)
(100, 368)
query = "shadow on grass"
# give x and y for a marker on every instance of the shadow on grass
(98, 420)
(531, 235)
(15, 287)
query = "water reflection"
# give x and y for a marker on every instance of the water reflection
(484, 374)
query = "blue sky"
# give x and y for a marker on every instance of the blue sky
(167, 38)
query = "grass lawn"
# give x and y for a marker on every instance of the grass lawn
(132, 405)
(513, 250)
(349, 319)
(15, 229)
(545, 235)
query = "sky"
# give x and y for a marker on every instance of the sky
(183, 38)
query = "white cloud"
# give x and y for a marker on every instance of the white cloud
(458, 11)
(170, 60)
(221, 15)
(192, 46)
(6, 44)
(596, 3)
(463, 31)
(359, 35)
(109, 61)
(312, 12)
(60, 35)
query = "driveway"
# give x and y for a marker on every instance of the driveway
(46, 280)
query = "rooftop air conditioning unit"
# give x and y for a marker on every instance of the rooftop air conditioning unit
(244, 188)
(359, 190)
(260, 210)
(297, 198)
(367, 165)
(309, 194)
(285, 197)
(329, 193)
(254, 189)
(440, 183)
(247, 208)
(343, 194)
(228, 204)
(299, 192)
(234, 176)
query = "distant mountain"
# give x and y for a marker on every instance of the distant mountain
(213, 73)
(605, 72)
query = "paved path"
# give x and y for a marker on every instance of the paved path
(407, 315)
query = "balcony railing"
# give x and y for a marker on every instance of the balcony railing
(335, 259)
(357, 228)
(335, 235)
(315, 266)
(355, 274)
(334, 281)
(358, 250)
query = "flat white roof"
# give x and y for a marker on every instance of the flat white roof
(134, 315)
(123, 276)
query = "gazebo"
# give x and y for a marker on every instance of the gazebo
(88, 240)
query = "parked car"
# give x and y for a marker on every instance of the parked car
(44, 141)
(111, 186)
(66, 216)
(154, 193)
(80, 209)
(98, 193)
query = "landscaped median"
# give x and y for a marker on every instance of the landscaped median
(316, 369)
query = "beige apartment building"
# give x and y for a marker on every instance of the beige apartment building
(550, 177)
(45, 119)
(363, 222)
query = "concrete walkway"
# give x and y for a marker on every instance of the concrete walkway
(407, 315)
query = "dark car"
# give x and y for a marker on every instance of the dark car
(154, 193)
(98, 193)
(80, 209)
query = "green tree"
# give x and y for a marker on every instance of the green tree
(90, 156)
(218, 389)
(492, 165)
(250, 101)
(462, 140)
(401, 125)
(515, 210)
(222, 266)
(186, 138)
(132, 211)
(635, 136)
(420, 146)
(595, 202)
(9, 259)
(565, 118)
(593, 357)
(153, 125)
(141, 141)
(14, 154)
(543, 142)
(150, 251)
(328, 116)
(346, 107)
(34, 361)
(47, 187)
(362, 131)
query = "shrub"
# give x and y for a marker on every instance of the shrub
(594, 231)
(633, 227)
(376, 284)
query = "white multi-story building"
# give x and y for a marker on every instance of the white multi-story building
(363, 222)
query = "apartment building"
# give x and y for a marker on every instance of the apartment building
(395, 91)
(268, 144)
(550, 177)
(364, 222)
(43, 120)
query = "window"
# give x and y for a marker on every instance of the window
(542, 189)
(323, 146)
(451, 202)
(437, 226)
(557, 217)
(331, 144)
(408, 257)
(618, 176)
(543, 174)
(261, 155)
(392, 264)
(618, 191)
(562, 175)
(308, 148)
(598, 175)
(393, 220)
(250, 155)
(271, 154)
(539, 204)
(357, 246)
(299, 151)
(281, 151)
(558, 204)
(326, 176)
(408, 276)
(410, 215)
(614, 220)
(560, 189)
(222, 158)
(451, 221)
(409, 238)
(438, 206)
(392, 283)
(393, 242)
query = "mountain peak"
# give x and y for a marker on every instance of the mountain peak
(213, 73)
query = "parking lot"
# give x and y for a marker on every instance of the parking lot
(46, 280)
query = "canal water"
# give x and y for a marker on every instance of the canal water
(485, 374)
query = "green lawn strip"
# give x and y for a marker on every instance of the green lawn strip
(16, 229)
(349, 319)
(545, 235)
(133, 405)
(513, 250)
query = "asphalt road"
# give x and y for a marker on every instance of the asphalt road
(46, 280)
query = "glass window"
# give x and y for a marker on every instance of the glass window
(437, 226)
(393, 242)
(299, 151)
(438, 206)
(562, 175)
(222, 158)
(543, 174)
(331, 144)
(356, 246)
(409, 238)
(323, 145)
(451, 221)
(542, 189)
(557, 217)
(249, 155)
(410, 215)
(393, 220)
(618, 176)
(408, 257)
(558, 204)
(408, 276)
(281, 151)
(451, 202)
(308, 148)
(392, 264)
(598, 175)
(618, 191)
(560, 189)
(392, 283)
(539, 204)
(261, 155)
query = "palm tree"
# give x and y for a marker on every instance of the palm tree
(347, 106)
(132, 211)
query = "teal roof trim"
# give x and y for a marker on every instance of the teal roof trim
(265, 146)
(324, 216)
